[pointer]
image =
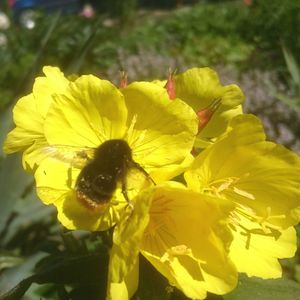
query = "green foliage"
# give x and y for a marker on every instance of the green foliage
(292, 81)
(271, 289)
(210, 33)
(197, 35)
(125, 10)
(268, 24)
(85, 272)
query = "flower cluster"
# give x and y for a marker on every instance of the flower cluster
(199, 192)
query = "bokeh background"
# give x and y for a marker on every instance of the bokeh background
(253, 43)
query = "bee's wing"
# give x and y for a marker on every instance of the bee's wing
(76, 156)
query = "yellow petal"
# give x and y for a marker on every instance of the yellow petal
(125, 289)
(29, 126)
(160, 132)
(161, 83)
(29, 115)
(181, 274)
(218, 123)
(33, 155)
(255, 251)
(127, 237)
(168, 172)
(198, 86)
(187, 241)
(89, 113)
(45, 87)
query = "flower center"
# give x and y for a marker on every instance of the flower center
(158, 235)
(244, 218)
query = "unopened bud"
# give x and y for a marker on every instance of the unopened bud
(124, 80)
(170, 86)
(205, 114)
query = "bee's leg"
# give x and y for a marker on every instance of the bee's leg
(124, 192)
(137, 166)
(69, 180)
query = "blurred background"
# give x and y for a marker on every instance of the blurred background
(253, 43)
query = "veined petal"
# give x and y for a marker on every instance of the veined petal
(167, 172)
(187, 241)
(160, 132)
(29, 115)
(199, 86)
(29, 126)
(34, 154)
(255, 250)
(53, 82)
(127, 237)
(89, 113)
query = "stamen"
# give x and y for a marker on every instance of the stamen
(175, 251)
(225, 184)
(263, 226)
(135, 139)
(131, 126)
(243, 193)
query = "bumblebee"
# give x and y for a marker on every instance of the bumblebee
(104, 168)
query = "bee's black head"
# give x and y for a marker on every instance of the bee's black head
(114, 149)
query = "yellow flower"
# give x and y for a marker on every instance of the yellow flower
(88, 112)
(183, 235)
(29, 115)
(262, 179)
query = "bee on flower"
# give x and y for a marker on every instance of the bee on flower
(122, 157)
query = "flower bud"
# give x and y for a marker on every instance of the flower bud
(205, 114)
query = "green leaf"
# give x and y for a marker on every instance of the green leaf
(265, 289)
(80, 56)
(8, 260)
(12, 282)
(29, 213)
(5, 125)
(292, 65)
(88, 271)
(66, 268)
(18, 291)
(297, 272)
(152, 285)
(13, 182)
(293, 103)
